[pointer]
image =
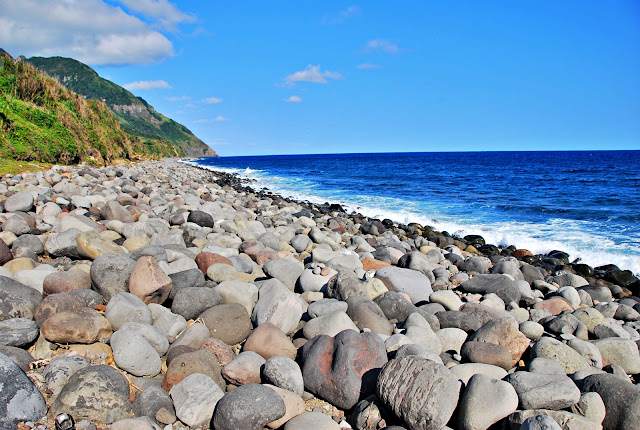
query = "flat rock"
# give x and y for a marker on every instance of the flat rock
(544, 391)
(92, 392)
(82, 325)
(421, 392)
(329, 325)
(20, 400)
(249, 407)
(91, 245)
(343, 368)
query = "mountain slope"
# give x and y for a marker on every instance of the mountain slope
(42, 120)
(136, 116)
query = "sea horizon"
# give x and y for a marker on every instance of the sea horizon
(590, 214)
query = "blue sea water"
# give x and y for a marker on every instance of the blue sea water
(586, 203)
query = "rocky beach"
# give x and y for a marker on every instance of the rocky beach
(160, 295)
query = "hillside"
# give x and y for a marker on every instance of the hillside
(135, 115)
(41, 120)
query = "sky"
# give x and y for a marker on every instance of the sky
(291, 77)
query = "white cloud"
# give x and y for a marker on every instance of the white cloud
(219, 118)
(368, 66)
(382, 45)
(90, 31)
(179, 99)
(212, 100)
(293, 99)
(146, 85)
(311, 74)
(343, 15)
(162, 11)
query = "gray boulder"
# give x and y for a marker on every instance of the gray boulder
(20, 400)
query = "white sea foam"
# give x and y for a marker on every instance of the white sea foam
(580, 239)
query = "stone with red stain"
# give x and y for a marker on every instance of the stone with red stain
(206, 259)
(555, 305)
(269, 341)
(519, 253)
(373, 264)
(149, 282)
(344, 368)
(223, 352)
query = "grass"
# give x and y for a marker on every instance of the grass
(14, 167)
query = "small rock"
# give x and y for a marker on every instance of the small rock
(249, 407)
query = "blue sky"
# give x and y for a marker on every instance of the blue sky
(253, 78)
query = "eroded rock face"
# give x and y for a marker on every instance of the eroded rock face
(343, 368)
(421, 392)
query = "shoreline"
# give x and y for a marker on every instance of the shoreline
(235, 176)
(164, 295)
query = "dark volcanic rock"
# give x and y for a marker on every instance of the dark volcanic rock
(421, 392)
(191, 278)
(249, 407)
(500, 285)
(201, 218)
(621, 399)
(458, 319)
(344, 368)
(5, 253)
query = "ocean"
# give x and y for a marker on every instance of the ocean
(586, 203)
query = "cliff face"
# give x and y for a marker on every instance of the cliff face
(135, 115)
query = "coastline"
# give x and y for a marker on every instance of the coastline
(165, 283)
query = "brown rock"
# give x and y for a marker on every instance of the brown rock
(487, 353)
(269, 341)
(149, 282)
(505, 332)
(21, 263)
(56, 303)
(82, 325)
(66, 282)
(373, 264)
(555, 305)
(519, 253)
(223, 352)
(292, 403)
(5, 253)
(206, 259)
(200, 361)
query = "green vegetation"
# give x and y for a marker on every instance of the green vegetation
(14, 167)
(135, 115)
(41, 120)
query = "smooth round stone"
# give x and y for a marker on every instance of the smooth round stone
(63, 244)
(485, 401)
(311, 420)
(269, 341)
(199, 361)
(19, 356)
(228, 322)
(622, 352)
(134, 354)
(452, 339)
(545, 365)
(220, 272)
(29, 241)
(569, 358)
(91, 245)
(223, 353)
(487, 353)
(540, 422)
(587, 350)
(590, 406)
(192, 278)
(34, 278)
(590, 317)
(151, 334)
(60, 369)
(330, 325)
(374, 287)
(20, 400)
(250, 407)
(110, 274)
(325, 307)
(532, 330)
(191, 302)
(125, 307)
(285, 373)
(82, 325)
(19, 202)
(195, 399)
(312, 282)
(5, 253)
(192, 336)
(167, 323)
(236, 291)
(151, 401)
(244, 369)
(426, 337)
(544, 391)
(293, 403)
(278, 305)
(446, 298)
(419, 350)
(412, 282)
(18, 332)
(285, 270)
(66, 282)
(143, 423)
